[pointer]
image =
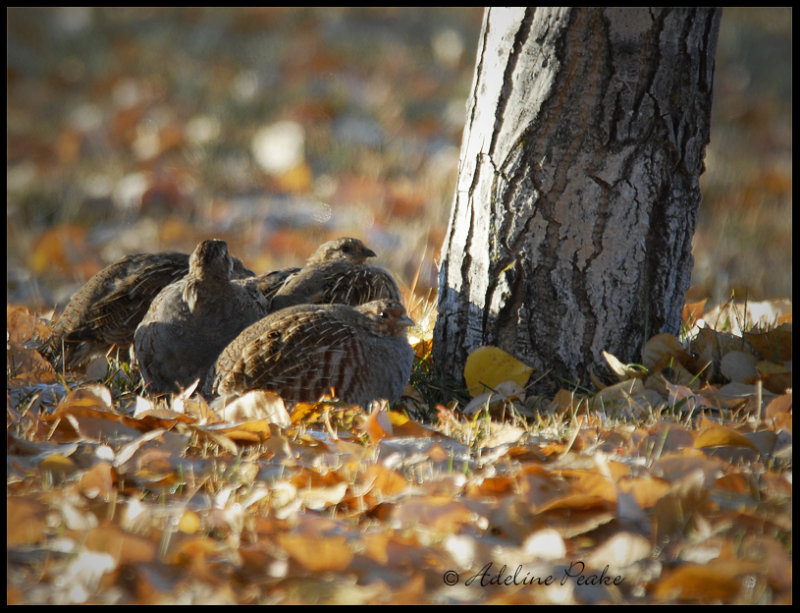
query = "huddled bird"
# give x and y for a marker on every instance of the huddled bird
(192, 319)
(337, 272)
(334, 326)
(357, 354)
(105, 311)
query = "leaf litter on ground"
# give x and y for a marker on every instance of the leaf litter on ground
(672, 485)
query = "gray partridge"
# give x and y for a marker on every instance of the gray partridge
(191, 320)
(337, 272)
(306, 351)
(105, 311)
(270, 282)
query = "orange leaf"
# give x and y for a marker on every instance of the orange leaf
(22, 325)
(778, 406)
(721, 436)
(716, 582)
(98, 480)
(385, 483)
(124, 547)
(646, 490)
(378, 425)
(692, 311)
(318, 552)
(25, 521)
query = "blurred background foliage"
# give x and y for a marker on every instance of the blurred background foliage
(149, 129)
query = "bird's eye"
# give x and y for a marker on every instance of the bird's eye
(384, 314)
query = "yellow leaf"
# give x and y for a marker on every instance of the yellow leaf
(189, 523)
(718, 436)
(489, 366)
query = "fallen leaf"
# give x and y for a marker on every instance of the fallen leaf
(718, 436)
(317, 552)
(775, 344)
(125, 548)
(378, 425)
(739, 366)
(620, 369)
(488, 366)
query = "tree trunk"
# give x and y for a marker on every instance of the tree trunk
(578, 190)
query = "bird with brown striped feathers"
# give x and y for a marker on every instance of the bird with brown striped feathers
(303, 352)
(337, 272)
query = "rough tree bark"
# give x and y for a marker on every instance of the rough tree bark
(577, 193)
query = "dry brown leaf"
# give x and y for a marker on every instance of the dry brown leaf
(209, 434)
(491, 487)
(718, 581)
(124, 547)
(25, 521)
(580, 502)
(318, 552)
(256, 431)
(696, 583)
(716, 435)
(378, 425)
(674, 467)
(27, 367)
(564, 401)
(85, 413)
(664, 437)
(98, 480)
(383, 483)
(778, 406)
(589, 483)
(692, 311)
(775, 377)
(662, 351)
(646, 490)
(193, 551)
(440, 514)
(22, 325)
(774, 345)
(735, 483)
